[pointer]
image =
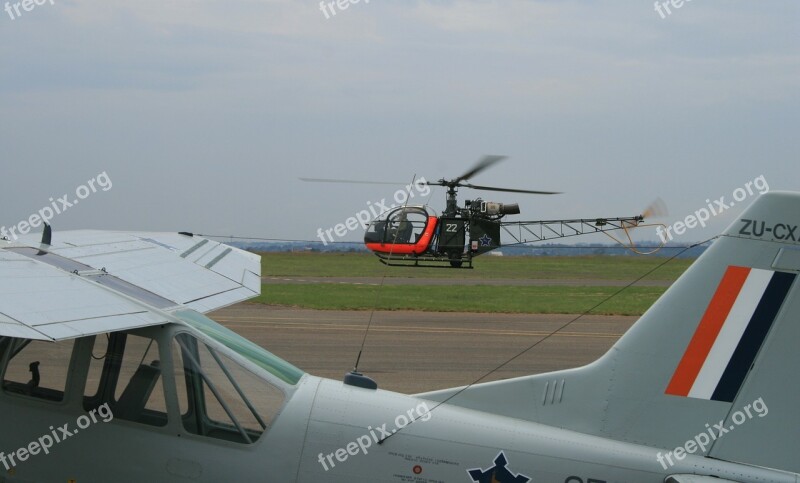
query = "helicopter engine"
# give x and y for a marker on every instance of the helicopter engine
(492, 208)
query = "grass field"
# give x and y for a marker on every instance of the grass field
(310, 264)
(473, 298)
(503, 299)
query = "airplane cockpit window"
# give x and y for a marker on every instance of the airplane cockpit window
(125, 372)
(218, 397)
(36, 368)
(254, 353)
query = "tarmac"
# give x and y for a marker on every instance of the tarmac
(413, 352)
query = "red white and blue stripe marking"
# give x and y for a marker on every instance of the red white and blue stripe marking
(730, 334)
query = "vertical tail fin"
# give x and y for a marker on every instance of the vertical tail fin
(716, 354)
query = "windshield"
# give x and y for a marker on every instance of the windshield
(249, 350)
(403, 225)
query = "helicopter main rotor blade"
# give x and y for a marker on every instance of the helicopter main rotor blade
(509, 190)
(354, 181)
(484, 163)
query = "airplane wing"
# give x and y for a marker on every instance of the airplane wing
(88, 282)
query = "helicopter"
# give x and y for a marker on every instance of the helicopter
(415, 235)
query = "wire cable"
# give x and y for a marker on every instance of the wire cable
(529, 244)
(551, 334)
(403, 219)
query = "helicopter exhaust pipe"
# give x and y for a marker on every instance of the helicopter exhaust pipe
(492, 208)
(510, 209)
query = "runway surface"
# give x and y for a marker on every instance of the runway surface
(520, 282)
(414, 352)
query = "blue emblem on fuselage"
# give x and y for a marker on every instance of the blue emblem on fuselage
(498, 473)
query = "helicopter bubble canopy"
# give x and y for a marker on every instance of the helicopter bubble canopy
(401, 225)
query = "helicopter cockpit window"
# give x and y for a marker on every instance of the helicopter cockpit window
(36, 368)
(376, 232)
(407, 225)
(218, 397)
(403, 225)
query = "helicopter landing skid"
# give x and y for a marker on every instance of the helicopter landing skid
(429, 261)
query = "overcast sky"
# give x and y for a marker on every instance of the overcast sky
(204, 114)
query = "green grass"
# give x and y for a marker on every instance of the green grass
(367, 265)
(468, 298)
(503, 299)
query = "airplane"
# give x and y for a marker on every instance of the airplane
(112, 372)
